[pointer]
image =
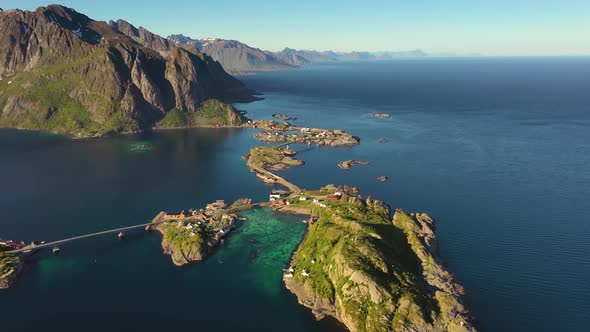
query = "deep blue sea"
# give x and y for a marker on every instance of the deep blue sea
(496, 149)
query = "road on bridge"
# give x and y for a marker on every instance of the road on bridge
(54, 243)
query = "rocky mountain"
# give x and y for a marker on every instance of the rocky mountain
(236, 57)
(63, 72)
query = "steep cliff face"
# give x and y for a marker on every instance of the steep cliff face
(372, 274)
(64, 72)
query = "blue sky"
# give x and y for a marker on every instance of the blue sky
(492, 27)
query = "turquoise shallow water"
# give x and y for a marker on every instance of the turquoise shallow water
(495, 149)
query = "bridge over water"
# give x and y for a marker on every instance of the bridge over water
(110, 231)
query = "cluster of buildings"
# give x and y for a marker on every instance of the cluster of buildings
(214, 216)
(12, 245)
(279, 198)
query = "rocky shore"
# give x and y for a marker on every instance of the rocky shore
(11, 267)
(419, 229)
(372, 273)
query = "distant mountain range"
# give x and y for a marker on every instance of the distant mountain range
(64, 72)
(239, 58)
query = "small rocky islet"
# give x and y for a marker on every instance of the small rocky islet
(348, 164)
(383, 178)
(283, 117)
(379, 115)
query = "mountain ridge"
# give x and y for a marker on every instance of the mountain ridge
(240, 58)
(67, 73)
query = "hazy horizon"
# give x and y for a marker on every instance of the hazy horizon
(461, 27)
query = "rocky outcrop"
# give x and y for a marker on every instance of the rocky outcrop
(182, 246)
(348, 164)
(182, 256)
(358, 266)
(64, 72)
(383, 178)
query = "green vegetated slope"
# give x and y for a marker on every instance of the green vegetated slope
(358, 266)
(46, 103)
(213, 113)
(182, 240)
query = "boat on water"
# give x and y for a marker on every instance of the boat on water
(304, 221)
(121, 235)
(55, 250)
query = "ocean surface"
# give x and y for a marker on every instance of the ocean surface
(496, 149)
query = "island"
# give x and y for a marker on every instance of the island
(191, 235)
(383, 178)
(273, 158)
(283, 117)
(379, 115)
(369, 270)
(348, 164)
(277, 133)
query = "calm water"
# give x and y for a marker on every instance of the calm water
(496, 149)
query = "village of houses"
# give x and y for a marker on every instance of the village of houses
(216, 217)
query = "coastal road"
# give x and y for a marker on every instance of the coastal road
(279, 179)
